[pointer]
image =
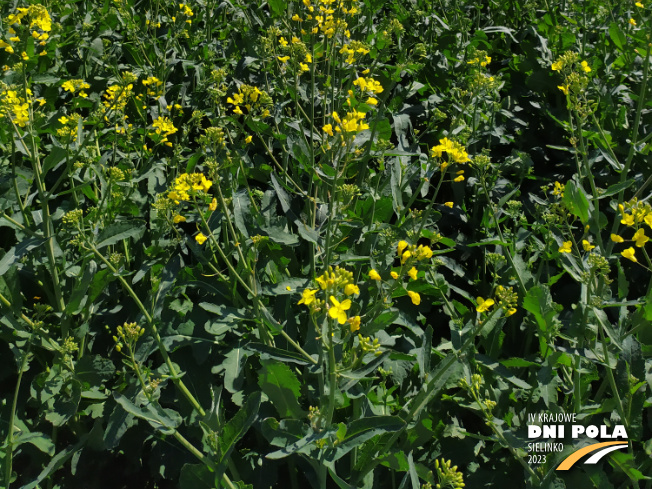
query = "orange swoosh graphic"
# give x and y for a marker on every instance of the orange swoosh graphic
(575, 456)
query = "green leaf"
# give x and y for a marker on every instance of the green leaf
(617, 36)
(361, 430)
(282, 388)
(266, 352)
(576, 202)
(164, 420)
(278, 7)
(539, 302)
(237, 427)
(115, 233)
(197, 476)
(39, 440)
(56, 463)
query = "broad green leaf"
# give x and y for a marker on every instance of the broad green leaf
(162, 419)
(115, 233)
(237, 427)
(576, 202)
(197, 476)
(266, 352)
(617, 36)
(282, 388)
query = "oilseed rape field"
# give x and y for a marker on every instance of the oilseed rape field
(325, 244)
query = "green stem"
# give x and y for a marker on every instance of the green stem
(10, 433)
(157, 337)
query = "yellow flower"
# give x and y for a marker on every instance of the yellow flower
(640, 239)
(373, 275)
(586, 245)
(617, 239)
(338, 309)
(566, 247)
(63, 119)
(629, 254)
(238, 110)
(178, 218)
(632, 22)
(200, 238)
(401, 246)
(372, 101)
(405, 256)
(351, 289)
(639, 4)
(283, 59)
(354, 323)
(416, 298)
(484, 305)
(412, 273)
(585, 67)
(308, 296)
(282, 42)
(627, 220)
(213, 205)
(459, 179)
(448, 204)
(563, 88)
(248, 139)
(304, 67)
(557, 66)
(394, 274)
(511, 311)
(328, 129)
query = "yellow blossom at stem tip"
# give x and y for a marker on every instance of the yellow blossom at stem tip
(307, 296)
(354, 323)
(416, 298)
(412, 273)
(484, 305)
(567, 247)
(587, 245)
(629, 254)
(200, 238)
(351, 289)
(617, 239)
(373, 275)
(338, 309)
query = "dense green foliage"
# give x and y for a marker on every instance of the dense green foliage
(322, 243)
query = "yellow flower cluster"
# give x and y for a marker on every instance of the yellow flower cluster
(482, 61)
(507, 300)
(164, 127)
(324, 18)
(334, 282)
(252, 98)
(116, 97)
(574, 71)
(14, 106)
(154, 86)
(187, 11)
(73, 86)
(368, 85)
(188, 184)
(354, 51)
(634, 214)
(39, 25)
(353, 122)
(455, 153)
(68, 133)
